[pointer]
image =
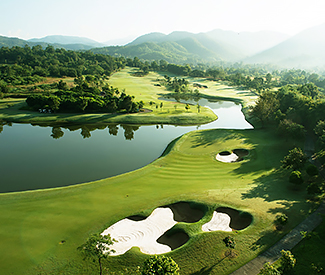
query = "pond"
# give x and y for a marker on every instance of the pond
(35, 157)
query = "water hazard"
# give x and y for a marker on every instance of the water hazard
(34, 157)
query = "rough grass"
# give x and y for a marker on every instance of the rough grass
(34, 223)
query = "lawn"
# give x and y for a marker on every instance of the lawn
(41, 230)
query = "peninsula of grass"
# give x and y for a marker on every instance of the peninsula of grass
(143, 89)
(41, 230)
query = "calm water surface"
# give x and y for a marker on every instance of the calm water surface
(34, 157)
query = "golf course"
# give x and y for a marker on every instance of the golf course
(42, 229)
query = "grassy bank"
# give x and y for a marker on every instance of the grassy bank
(40, 230)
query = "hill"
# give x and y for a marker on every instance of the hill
(306, 49)
(202, 47)
(67, 40)
(13, 41)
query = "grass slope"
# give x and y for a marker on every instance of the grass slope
(41, 230)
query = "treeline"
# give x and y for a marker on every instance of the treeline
(22, 65)
(84, 97)
(298, 104)
(251, 77)
(293, 110)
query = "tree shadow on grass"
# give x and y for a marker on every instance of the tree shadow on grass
(204, 270)
(208, 137)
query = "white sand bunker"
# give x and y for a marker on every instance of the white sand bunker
(142, 234)
(227, 158)
(219, 221)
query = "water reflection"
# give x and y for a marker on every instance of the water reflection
(61, 155)
(85, 130)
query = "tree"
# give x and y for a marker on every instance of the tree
(266, 107)
(97, 248)
(57, 133)
(296, 159)
(287, 261)
(289, 128)
(160, 265)
(268, 269)
(296, 177)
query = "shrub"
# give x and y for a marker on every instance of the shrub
(295, 159)
(160, 265)
(230, 242)
(287, 261)
(281, 219)
(312, 170)
(296, 177)
(268, 269)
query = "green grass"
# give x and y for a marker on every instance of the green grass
(34, 223)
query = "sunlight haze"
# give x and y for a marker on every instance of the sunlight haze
(108, 20)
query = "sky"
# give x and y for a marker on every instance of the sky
(108, 20)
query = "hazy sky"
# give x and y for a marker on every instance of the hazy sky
(111, 19)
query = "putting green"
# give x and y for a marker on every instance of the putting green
(41, 230)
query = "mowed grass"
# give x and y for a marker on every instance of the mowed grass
(41, 230)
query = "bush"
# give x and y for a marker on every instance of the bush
(268, 269)
(295, 159)
(281, 219)
(160, 265)
(312, 170)
(230, 242)
(287, 261)
(296, 177)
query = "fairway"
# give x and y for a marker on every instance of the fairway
(41, 230)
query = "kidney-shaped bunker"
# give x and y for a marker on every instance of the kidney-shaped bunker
(238, 220)
(187, 211)
(173, 238)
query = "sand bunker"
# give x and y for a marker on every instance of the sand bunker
(174, 239)
(219, 221)
(235, 156)
(239, 220)
(156, 235)
(185, 212)
(143, 233)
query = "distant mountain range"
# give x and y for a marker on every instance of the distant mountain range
(67, 40)
(182, 47)
(44, 42)
(304, 50)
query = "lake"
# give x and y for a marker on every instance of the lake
(35, 157)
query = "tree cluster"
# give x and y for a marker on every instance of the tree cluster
(84, 98)
(292, 108)
(22, 65)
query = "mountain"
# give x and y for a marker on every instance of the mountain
(150, 37)
(67, 40)
(306, 49)
(13, 41)
(172, 52)
(216, 44)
